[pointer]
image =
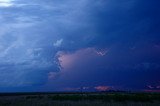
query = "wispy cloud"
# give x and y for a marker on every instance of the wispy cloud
(58, 43)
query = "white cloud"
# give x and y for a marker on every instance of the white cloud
(6, 0)
(12, 3)
(58, 43)
(6, 3)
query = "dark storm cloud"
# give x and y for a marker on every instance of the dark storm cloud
(130, 30)
(105, 42)
(31, 34)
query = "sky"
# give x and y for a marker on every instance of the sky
(79, 45)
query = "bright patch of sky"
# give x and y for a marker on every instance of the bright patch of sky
(6, 3)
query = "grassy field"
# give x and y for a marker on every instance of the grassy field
(80, 99)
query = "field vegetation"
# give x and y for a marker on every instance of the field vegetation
(80, 99)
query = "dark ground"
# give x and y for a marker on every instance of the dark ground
(80, 99)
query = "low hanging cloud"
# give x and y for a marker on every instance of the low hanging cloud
(78, 66)
(68, 60)
(103, 88)
(88, 88)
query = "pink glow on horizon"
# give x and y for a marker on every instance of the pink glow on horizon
(102, 88)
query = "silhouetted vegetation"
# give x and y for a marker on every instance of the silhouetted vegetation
(120, 97)
(81, 99)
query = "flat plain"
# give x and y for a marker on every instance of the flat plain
(80, 99)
